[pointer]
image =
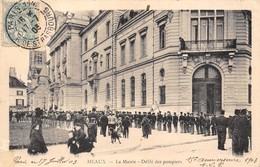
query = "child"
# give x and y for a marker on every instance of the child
(72, 143)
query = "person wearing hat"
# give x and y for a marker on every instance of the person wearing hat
(197, 123)
(192, 122)
(240, 133)
(175, 120)
(80, 120)
(213, 125)
(159, 121)
(37, 117)
(164, 121)
(92, 130)
(103, 124)
(153, 120)
(207, 125)
(169, 121)
(126, 124)
(145, 126)
(181, 120)
(83, 144)
(37, 143)
(222, 124)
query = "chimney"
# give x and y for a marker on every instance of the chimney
(12, 72)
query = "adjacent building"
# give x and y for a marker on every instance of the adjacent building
(38, 87)
(169, 60)
(64, 66)
(17, 92)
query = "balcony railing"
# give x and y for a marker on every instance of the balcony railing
(207, 45)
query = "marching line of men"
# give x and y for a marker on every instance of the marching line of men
(239, 125)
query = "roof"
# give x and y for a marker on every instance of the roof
(15, 83)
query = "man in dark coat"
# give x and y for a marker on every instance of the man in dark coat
(192, 122)
(175, 122)
(159, 121)
(169, 121)
(153, 120)
(92, 130)
(197, 123)
(126, 124)
(103, 124)
(213, 125)
(206, 125)
(182, 43)
(240, 134)
(181, 119)
(135, 119)
(222, 124)
(145, 126)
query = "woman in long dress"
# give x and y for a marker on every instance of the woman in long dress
(37, 143)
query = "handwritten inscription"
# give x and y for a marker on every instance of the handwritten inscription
(44, 161)
(219, 162)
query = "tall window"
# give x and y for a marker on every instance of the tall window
(207, 25)
(86, 97)
(95, 67)
(108, 28)
(95, 37)
(108, 91)
(143, 89)
(132, 50)
(95, 94)
(123, 92)
(86, 70)
(162, 36)
(38, 58)
(132, 91)
(249, 93)
(86, 44)
(122, 54)
(143, 45)
(162, 95)
(108, 61)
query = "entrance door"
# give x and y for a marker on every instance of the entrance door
(206, 90)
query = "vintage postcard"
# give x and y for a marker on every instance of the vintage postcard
(129, 83)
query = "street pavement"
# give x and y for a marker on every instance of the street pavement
(161, 148)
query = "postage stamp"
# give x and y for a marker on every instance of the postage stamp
(30, 24)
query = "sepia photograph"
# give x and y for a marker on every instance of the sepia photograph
(128, 85)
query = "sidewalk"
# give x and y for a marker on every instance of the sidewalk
(158, 139)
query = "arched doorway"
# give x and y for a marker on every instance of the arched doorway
(206, 90)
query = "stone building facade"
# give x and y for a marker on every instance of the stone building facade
(176, 60)
(64, 66)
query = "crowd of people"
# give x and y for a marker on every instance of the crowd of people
(238, 127)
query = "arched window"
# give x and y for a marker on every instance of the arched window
(143, 77)
(132, 91)
(108, 91)
(95, 94)
(86, 96)
(123, 92)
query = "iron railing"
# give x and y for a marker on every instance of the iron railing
(204, 45)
